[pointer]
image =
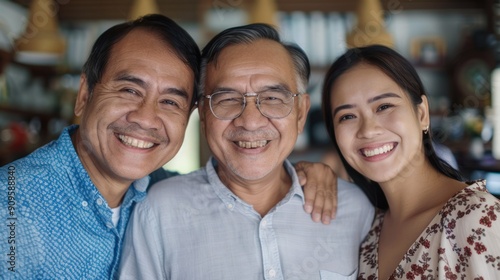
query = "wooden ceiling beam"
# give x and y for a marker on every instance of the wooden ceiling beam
(188, 10)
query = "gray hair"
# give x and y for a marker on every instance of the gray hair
(247, 34)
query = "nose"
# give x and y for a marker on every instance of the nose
(251, 118)
(368, 128)
(145, 115)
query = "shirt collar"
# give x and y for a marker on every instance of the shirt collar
(76, 173)
(80, 177)
(296, 189)
(137, 193)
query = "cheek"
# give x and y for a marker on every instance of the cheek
(343, 135)
(100, 119)
(403, 124)
(217, 131)
(343, 149)
(210, 122)
(214, 130)
(175, 124)
(106, 110)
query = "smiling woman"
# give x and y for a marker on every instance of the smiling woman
(365, 112)
(429, 220)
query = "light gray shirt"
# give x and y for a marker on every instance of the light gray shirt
(193, 227)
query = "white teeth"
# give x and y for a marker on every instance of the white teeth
(251, 145)
(136, 143)
(381, 150)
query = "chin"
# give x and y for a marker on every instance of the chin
(251, 176)
(135, 171)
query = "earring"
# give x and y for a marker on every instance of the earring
(426, 130)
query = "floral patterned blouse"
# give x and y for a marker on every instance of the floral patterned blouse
(461, 242)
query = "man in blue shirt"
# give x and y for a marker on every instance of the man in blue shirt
(68, 203)
(64, 208)
(241, 217)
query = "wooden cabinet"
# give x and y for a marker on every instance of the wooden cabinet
(191, 10)
(34, 109)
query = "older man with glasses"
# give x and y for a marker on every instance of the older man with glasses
(241, 216)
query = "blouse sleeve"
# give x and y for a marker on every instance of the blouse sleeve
(475, 235)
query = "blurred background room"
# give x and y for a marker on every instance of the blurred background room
(454, 45)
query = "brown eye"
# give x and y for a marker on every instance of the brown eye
(384, 107)
(346, 117)
(131, 91)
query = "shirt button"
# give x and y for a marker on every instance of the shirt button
(230, 206)
(85, 203)
(272, 273)
(264, 223)
(99, 201)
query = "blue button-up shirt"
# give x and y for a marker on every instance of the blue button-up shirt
(55, 224)
(193, 227)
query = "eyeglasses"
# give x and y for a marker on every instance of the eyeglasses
(272, 103)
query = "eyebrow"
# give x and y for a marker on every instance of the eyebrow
(382, 96)
(279, 86)
(132, 79)
(371, 100)
(222, 89)
(140, 82)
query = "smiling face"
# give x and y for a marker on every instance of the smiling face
(377, 128)
(134, 120)
(252, 146)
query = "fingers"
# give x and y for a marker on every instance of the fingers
(320, 190)
(312, 201)
(320, 213)
(309, 192)
(332, 196)
(302, 178)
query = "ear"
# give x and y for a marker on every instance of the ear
(423, 113)
(303, 111)
(83, 96)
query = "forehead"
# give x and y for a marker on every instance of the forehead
(365, 80)
(141, 45)
(143, 53)
(137, 39)
(260, 59)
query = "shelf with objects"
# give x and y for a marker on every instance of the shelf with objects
(34, 108)
(36, 96)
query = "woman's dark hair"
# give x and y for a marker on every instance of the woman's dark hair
(402, 73)
(166, 29)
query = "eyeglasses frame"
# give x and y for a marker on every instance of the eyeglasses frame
(257, 103)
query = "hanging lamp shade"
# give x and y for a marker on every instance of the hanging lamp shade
(143, 7)
(41, 43)
(264, 11)
(370, 26)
